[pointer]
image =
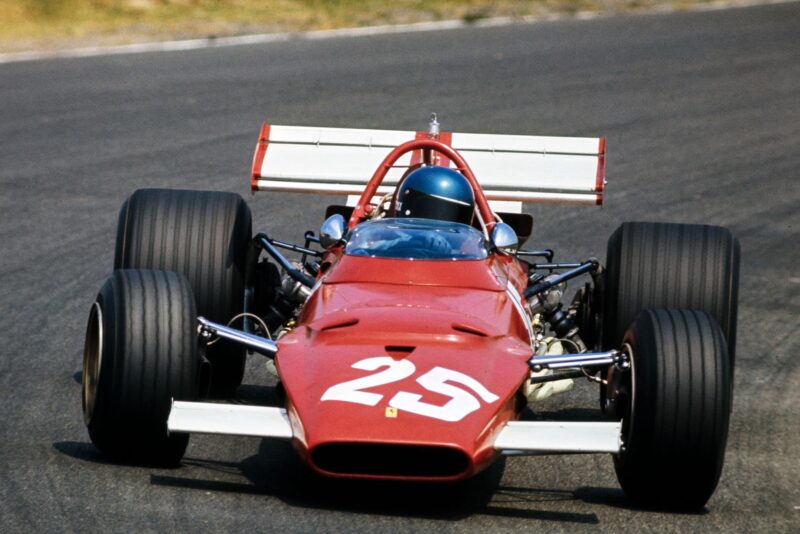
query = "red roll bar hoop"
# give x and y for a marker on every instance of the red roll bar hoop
(427, 146)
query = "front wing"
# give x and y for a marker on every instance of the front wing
(515, 438)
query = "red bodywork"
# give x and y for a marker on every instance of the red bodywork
(428, 321)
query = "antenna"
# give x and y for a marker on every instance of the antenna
(433, 127)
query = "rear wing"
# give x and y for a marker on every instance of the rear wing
(516, 168)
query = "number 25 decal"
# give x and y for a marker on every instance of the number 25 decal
(461, 403)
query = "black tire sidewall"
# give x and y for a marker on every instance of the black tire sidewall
(670, 459)
(129, 418)
(703, 258)
(215, 271)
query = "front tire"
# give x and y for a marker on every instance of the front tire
(203, 235)
(676, 426)
(670, 266)
(141, 352)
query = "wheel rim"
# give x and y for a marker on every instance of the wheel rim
(620, 402)
(92, 359)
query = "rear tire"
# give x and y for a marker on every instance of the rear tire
(662, 266)
(676, 427)
(203, 235)
(140, 353)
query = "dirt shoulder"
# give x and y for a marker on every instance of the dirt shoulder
(50, 25)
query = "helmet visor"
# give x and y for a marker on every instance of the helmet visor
(418, 204)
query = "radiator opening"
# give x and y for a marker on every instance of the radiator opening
(381, 459)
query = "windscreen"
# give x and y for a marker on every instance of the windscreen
(419, 239)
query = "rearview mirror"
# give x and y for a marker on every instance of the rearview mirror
(331, 233)
(505, 239)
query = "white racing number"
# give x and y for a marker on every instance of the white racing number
(461, 403)
(350, 391)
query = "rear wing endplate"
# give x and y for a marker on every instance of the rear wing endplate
(516, 168)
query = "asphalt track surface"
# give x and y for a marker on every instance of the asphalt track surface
(702, 116)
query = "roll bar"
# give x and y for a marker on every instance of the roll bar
(427, 146)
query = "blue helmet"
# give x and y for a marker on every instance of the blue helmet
(436, 193)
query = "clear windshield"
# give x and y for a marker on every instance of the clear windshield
(423, 239)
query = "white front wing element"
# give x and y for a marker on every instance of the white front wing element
(555, 437)
(517, 168)
(234, 419)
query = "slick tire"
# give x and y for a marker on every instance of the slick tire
(140, 353)
(204, 236)
(662, 266)
(676, 427)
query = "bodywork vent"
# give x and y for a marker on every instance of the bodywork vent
(466, 329)
(389, 460)
(341, 324)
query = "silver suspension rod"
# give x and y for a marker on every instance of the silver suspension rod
(208, 329)
(586, 359)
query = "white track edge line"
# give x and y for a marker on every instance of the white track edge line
(240, 40)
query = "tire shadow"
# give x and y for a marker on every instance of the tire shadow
(277, 471)
(615, 498)
(82, 451)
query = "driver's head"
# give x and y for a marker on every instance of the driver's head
(436, 193)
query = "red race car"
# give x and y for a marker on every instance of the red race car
(411, 332)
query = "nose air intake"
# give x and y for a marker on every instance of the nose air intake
(390, 460)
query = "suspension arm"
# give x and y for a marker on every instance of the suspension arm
(295, 248)
(585, 267)
(544, 253)
(264, 242)
(207, 329)
(586, 359)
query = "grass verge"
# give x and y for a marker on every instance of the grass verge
(53, 24)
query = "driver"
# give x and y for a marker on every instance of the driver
(436, 193)
(426, 200)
